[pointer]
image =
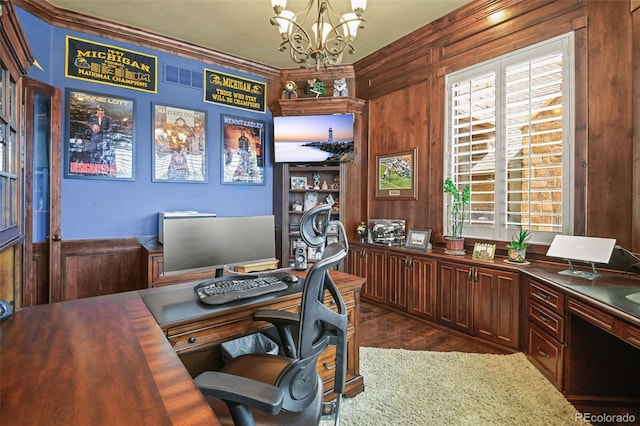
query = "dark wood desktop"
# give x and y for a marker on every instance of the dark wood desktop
(105, 360)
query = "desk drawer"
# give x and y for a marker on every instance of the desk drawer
(592, 315)
(630, 334)
(547, 297)
(547, 354)
(327, 363)
(546, 320)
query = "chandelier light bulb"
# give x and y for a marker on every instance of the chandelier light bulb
(352, 21)
(284, 20)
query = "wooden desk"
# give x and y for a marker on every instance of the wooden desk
(584, 335)
(106, 361)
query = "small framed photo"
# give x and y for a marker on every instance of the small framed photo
(315, 253)
(332, 230)
(310, 200)
(482, 251)
(332, 239)
(418, 239)
(298, 182)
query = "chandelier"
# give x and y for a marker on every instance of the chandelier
(330, 36)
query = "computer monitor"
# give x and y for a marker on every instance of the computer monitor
(212, 243)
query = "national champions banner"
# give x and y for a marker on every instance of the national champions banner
(106, 64)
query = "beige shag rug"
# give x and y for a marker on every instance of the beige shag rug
(415, 388)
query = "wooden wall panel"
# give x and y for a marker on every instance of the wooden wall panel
(398, 122)
(97, 267)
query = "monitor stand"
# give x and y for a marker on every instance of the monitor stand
(581, 274)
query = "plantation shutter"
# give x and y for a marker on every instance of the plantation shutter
(534, 144)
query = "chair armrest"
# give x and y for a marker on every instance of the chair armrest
(283, 321)
(241, 390)
(276, 317)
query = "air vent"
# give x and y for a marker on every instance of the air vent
(182, 76)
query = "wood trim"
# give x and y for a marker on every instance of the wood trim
(635, 203)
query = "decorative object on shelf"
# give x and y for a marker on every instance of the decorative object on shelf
(517, 248)
(418, 239)
(315, 88)
(340, 87)
(290, 90)
(456, 212)
(298, 182)
(361, 230)
(336, 182)
(482, 251)
(296, 206)
(306, 46)
(310, 200)
(316, 180)
(243, 150)
(387, 232)
(396, 175)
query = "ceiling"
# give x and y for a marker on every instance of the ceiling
(241, 27)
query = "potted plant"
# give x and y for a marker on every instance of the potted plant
(517, 248)
(458, 202)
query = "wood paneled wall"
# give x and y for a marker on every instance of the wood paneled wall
(404, 84)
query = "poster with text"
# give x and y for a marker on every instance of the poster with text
(243, 153)
(179, 148)
(100, 141)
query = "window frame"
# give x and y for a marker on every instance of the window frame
(499, 232)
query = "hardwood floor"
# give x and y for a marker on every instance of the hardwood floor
(384, 328)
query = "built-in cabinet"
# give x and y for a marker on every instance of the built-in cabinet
(476, 300)
(303, 187)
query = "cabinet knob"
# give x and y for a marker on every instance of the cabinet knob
(192, 340)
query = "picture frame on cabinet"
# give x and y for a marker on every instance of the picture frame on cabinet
(243, 151)
(396, 175)
(99, 142)
(315, 253)
(418, 239)
(298, 182)
(179, 145)
(483, 251)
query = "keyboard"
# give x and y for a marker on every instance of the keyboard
(222, 290)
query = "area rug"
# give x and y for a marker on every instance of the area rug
(415, 388)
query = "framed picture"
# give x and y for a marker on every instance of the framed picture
(179, 145)
(298, 182)
(315, 253)
(243, 151)
(396, 175)
(310, 200)
(482, 251)
(99, 142)
(418, 239)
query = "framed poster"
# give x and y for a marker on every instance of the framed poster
(179, 145)
(418, 239)
(243, 153)
(396, 175)
(99, 142)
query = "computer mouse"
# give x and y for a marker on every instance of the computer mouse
(289, 279)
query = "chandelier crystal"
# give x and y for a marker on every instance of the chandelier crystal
(318, 35)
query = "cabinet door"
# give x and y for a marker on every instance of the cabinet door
(356, 261)
(375, 287)
(397, 282)
(455, 307)
(421, 289)
(496, 306)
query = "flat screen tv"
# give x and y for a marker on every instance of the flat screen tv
(313, 138)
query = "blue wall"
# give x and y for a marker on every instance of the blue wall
(93, 208)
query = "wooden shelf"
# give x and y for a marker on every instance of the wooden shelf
(323, 105)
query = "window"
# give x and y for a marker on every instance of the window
(509, 136)
(9, 158)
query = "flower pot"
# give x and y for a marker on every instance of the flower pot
(517, 255)
(454, 245)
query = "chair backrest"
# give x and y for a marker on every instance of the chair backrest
(320, 325)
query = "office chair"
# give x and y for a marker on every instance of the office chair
(287, 389)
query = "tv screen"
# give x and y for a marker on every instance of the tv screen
(313, 138)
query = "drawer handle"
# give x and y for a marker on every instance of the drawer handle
(325, 365)
(541, 352)
(191, 340)
(544, 296)
(544, 319)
